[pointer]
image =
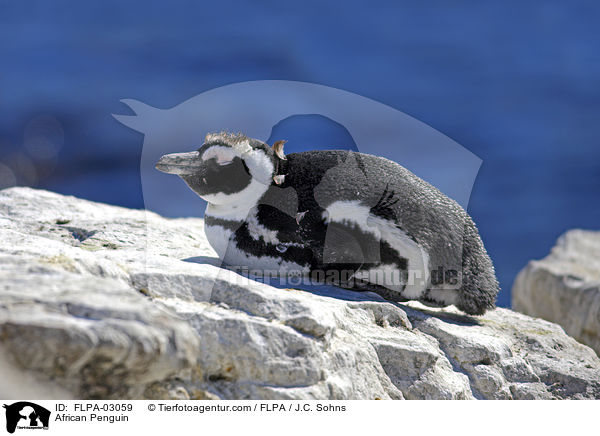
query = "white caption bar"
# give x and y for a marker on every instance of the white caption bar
(310, 418)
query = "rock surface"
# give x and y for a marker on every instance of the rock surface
(564, 287)
(105, 302)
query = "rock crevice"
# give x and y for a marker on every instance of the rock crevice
(139, 308)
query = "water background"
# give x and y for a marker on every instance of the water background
(517, 83)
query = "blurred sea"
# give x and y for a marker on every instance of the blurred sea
(517, 83)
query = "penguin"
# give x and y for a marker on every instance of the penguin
(355, 220)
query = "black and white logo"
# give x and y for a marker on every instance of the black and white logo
(26, 415)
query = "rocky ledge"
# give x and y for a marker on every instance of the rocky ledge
(98, 301)
(564, 287)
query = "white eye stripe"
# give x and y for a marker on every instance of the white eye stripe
(223, 155)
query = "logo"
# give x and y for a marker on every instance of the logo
(360, 247)
(26, 415)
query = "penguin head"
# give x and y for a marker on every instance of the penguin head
(227, 168)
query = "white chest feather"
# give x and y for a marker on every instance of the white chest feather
(218, 238)
(224, 243)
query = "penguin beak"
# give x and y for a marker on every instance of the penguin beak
(180, 163)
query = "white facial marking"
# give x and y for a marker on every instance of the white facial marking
(260, 166)
(243, 147)
(235, 206)
(222, 154)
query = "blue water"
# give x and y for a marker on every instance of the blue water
(517, 83)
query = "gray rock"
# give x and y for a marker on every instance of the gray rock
(106, 302)
(564, 287)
